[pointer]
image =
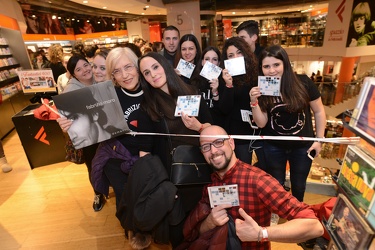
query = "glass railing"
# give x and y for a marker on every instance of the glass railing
(328, 91)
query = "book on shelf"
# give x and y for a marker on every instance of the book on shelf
(347, 227)
(363, 117)
(357, 177)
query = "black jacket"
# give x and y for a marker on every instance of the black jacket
(149, 203)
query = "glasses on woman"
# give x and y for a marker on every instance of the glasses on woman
(127, 69)
(218, 143)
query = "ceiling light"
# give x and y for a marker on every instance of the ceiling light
(59, 17)
(85, 1)
(233, 13)
(126, 11)
(53, 17)
(104, 7)
(147, 6)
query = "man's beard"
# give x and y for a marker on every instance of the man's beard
(224, 165)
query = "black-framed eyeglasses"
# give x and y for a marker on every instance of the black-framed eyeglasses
(218, 143)
(127, 69)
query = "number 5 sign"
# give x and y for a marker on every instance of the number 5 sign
(185, 16)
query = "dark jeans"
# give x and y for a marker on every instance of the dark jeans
(117, 178)
(89, 153)
(299, 163)
(244, 152)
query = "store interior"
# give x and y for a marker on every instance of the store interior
(46, 204)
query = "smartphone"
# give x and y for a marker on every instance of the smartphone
(311, 154)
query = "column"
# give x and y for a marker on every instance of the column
(138, 28)
(345, 76)
(186, 17)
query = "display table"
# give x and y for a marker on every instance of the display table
(43, 141)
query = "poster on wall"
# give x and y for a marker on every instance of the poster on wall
(361, 31)
(47, 23)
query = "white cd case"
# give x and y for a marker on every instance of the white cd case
(227, 194)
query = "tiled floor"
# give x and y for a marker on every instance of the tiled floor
(50, 207)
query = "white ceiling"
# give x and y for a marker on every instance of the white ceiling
(156, 7)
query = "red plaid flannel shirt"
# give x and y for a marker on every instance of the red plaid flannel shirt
(260, 195)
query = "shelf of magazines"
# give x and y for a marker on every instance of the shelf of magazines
(352, 222)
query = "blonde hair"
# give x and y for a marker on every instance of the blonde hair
(55, 53)
(115, 56)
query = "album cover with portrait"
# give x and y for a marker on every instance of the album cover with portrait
(355, 178)
(96, 114)
(363, 117)
(347, 227)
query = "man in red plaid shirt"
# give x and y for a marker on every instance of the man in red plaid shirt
(259, 196)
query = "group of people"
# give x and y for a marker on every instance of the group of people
(148, 86)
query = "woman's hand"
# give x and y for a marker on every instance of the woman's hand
(177, 72)
(214, 85)
(227, 78)
(191, 122)
(317, 146)
(64, 123)
(254, 94)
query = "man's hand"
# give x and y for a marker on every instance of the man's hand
(217, 217)
(247, 229)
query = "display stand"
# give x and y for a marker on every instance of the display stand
(355, 183)
(43, 141)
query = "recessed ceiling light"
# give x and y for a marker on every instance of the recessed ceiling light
(85, 1)
(147, 6)
(126, 11)
(104, 7)
(142, 13)
(233, 13)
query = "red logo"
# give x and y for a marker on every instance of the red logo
(340, 10)
(41, 136)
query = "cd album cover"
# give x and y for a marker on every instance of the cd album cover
(189, 104)
(347, 227)
(356, 178)
(186, 69)
(363, 117)
(96, 114)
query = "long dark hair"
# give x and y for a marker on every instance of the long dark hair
(251, 76)
(293, 92)
(176, 87)
(198, 80)
(192, 38)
